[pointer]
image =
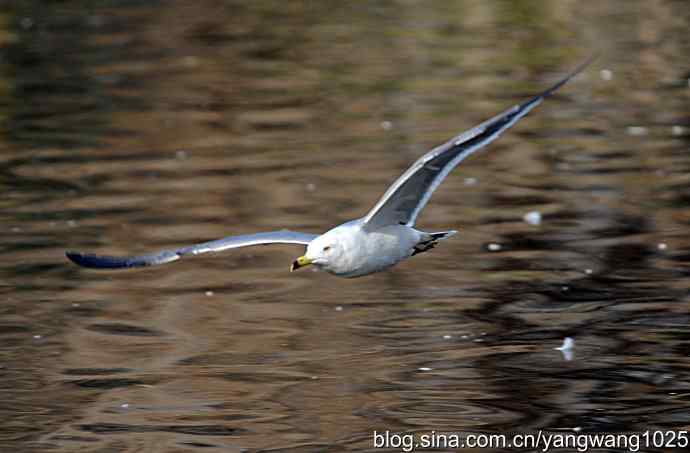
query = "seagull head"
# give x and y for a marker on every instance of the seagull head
(323, 252)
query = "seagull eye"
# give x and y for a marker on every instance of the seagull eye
(327, 248)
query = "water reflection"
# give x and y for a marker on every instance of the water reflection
(129, 127)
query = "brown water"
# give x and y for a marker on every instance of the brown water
(127, 129)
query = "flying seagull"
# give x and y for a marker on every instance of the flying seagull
(377, 241)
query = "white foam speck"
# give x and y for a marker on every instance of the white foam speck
(494, 247)
(588, 271)
(662, 246)
(208, 293)
(568, 343)
(637, 130)
(339, 308)
(567, 348)
(677, 130)
(386, 125)
(424, 368)
(532, 218)
(606, 74)
(470, 181)
(124, 405)
(447, 337)
(37, 337)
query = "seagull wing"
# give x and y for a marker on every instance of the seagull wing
(166, 256)
(404, 200)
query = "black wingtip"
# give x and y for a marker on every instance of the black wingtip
(75, 257)
(572, 74)
(92, 261)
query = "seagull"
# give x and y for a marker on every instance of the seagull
(382, 238)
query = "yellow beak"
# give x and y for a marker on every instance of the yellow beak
(300, 262)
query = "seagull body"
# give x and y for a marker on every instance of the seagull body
(351, 250)
(377, 241)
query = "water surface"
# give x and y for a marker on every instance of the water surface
(128, 128)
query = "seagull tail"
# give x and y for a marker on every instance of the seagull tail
(430, 240)
(441, 235)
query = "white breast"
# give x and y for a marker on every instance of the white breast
(367, 252)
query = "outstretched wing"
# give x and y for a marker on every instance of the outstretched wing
(166, 256)
(404, 200)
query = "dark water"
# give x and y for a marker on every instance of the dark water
(128, 128)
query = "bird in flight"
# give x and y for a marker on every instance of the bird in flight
(375, 242)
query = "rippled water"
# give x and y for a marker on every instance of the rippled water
(129, 128)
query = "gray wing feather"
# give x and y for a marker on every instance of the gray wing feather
(404, 200)
(166, 256)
